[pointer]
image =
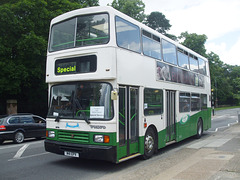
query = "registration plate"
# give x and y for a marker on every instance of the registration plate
(71, 154)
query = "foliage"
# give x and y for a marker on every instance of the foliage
(171, 36)
(23, 46)
(234, 74)
(86, 3)
(194, 41)
(221, 80)
(157, 21)
(132, 8)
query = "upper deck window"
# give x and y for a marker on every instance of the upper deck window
(128, 35)
(80, 31)
(151, 45)
(193, 63)
(202, 66)
(169, 52)
(183, 59)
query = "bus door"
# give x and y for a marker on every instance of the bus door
(128, 119)
(171, 115)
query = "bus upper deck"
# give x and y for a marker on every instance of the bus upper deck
(88, 44)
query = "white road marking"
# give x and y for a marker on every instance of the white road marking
(230, 124)
(34, 155)
(21, 151)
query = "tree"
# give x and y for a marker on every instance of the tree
(234, 74)
(194, 42)
(86, 3)
(23, 45)
(158, 22)
(220, 80)
(132, 8)
(171, 36)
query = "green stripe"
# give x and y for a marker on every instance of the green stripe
(133, 116)
(91, 39)
(82, 111)
(122, 115)
(154, 105)
(121, 122)
(63, 44)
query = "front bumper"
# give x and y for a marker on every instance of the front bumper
(107, 153)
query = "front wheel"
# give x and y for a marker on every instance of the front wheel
(199, 129)
(149, 143)
(19, 137)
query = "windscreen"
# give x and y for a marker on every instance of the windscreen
(81, 101)
(80, 31)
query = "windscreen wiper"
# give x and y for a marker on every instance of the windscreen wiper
(58, 116)
(86, 118)
(57, 119)
(84, 114)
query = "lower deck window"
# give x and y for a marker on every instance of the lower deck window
(195, 102)
(153, 101)
(192, 102)
(184, 102)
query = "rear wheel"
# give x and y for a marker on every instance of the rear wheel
(19, 137)
(199, 129)
(149, 143)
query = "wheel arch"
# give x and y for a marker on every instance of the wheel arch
(19, 129)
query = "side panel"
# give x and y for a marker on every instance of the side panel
(187, 126)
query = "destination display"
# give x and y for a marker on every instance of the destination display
(76, 65)
(66, 68)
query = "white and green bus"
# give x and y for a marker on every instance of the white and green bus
(118, 89)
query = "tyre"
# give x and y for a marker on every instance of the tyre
(18, 137)
(199, 129)
(149, 143)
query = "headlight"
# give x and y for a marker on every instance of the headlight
(98, 138)
(51, 134)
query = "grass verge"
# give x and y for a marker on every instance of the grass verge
(227, 107)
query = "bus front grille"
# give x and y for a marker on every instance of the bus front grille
(74, 137)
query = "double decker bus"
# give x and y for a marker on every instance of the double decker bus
(118, 89)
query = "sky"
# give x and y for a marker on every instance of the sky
(219, 20)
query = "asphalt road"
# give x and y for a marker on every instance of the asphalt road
(224, 118)
(30, 161)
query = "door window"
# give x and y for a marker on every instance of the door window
(26, 120)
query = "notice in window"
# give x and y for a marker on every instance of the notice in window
(97, 112)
